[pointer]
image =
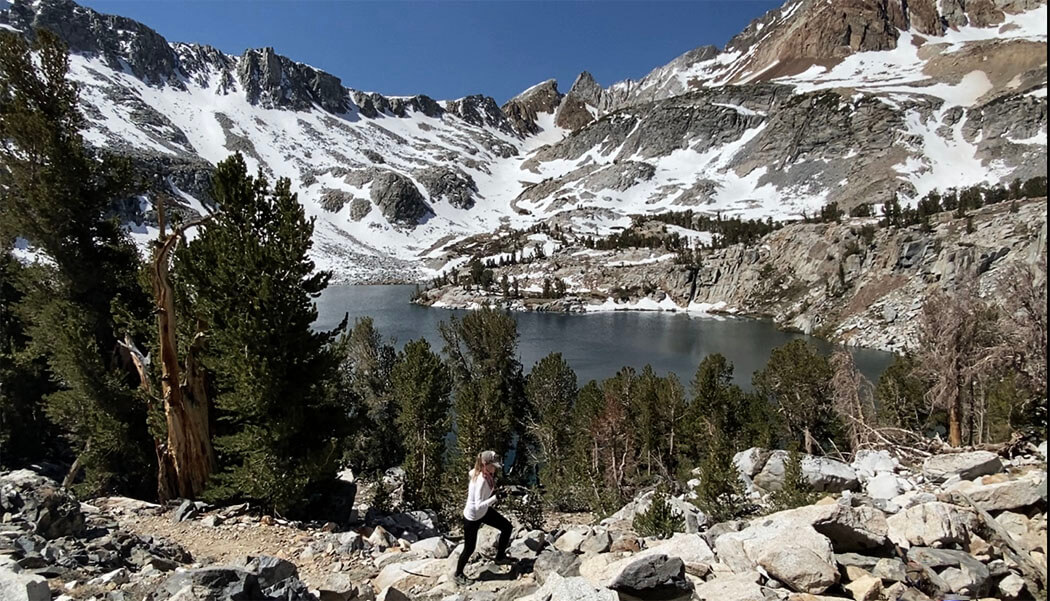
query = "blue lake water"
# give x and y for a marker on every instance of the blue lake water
(596, 345)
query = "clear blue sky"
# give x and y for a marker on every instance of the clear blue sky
(451, 49)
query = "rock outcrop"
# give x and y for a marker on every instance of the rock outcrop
(274, 81)
(398, 198)
(446, 184)
(523, 110)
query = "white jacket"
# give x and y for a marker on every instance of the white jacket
(479, 497)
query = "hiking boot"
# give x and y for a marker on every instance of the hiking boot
(461, 580)
(504, 561)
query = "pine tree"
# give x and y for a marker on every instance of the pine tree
(489, 386)
(57, 194)
(660, 520)
(279, 426)
(795, 491)
(25, 432)
(900, 395)
(720, 494)
(657, 408)
(365, 378)
(720, 407)
(422, 383)
(607, 448)
(646, 414)
(797, 381)
(551, 393)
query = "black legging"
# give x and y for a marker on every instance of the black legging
(470, 536)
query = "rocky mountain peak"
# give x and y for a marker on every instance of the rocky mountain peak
(275, 81)
(580, 105)
(111, 37)
(802, 33)
(523, 109)
(480, 110)
(586, 89)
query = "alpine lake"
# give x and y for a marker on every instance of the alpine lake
(595, 345)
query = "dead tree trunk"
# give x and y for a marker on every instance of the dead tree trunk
(165, 481)
(189, 458)
(955, 417)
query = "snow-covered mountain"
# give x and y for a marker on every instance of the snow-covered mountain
(847, 101)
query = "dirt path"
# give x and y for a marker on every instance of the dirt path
(233, 540)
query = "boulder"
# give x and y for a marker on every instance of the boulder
(381, 539)
(886, 486)
(411, 524)
(1029, 533)
(822, 474)
(23, 587)
(653, 577)
(959, 581)
(966, 466)
(392, 594)
(448, 184)
(599, 541)
(1012, 586)
(865, 588)
(690, 548)
(625, 541)
(931, 524)
(535, 540)
(560, 588)
(434, 546)
(408, 573)
(855, 560)
(571, 539)
(397, 556)
(1004, 495)
(333, 200)
(892, 569)
(488, 540)
(187, 510)
(787, 548)
(337, 587)
(269, 570)
(351, 541)
(39, 500)
(211, 584)
(600, 569)
(360, 208)
(804, 571)
(868, 464)
(972, 574)
(735, 587)
(398, 198)
(750, 462)
(553, 561)
(849, 528)
(901, 592)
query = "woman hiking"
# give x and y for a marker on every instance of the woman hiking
(478, 511)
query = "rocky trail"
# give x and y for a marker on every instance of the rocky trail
(970, 524)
